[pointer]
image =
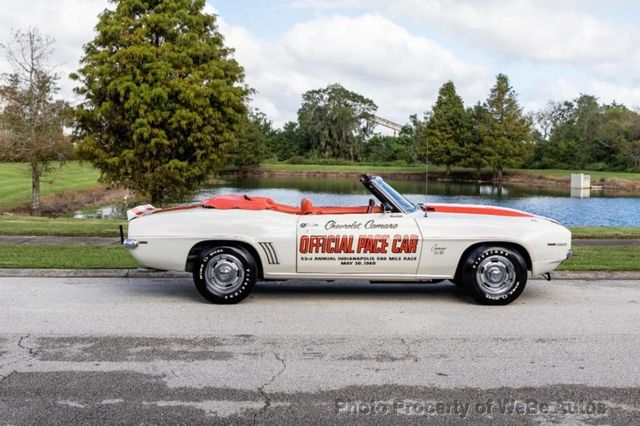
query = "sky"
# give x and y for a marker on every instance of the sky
(398, 53)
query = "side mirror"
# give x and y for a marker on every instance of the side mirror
(387, 208)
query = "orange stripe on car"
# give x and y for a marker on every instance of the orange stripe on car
(492, 211)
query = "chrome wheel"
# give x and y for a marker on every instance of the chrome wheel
(496, 275)
(224, 274)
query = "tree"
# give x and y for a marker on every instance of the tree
(585, 121)
(334, 121)
(388, 149)
(585, 134)
(285, 143)
(253, 141)
(557, 145)
(631, 148)
(504, 130)
(31, 120)
(164, 100)
(473, 149)
(447, 130)
(613, 137)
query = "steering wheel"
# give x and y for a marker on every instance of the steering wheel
(372, 204)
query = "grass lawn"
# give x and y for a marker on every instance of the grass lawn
(595, 176)
(591, 232)
(27, 225)
(16, 181)
(69, 256)
(603, 259)
(78, 256)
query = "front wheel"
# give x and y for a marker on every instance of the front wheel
(494, 275)
(225, 275)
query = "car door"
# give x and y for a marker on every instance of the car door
(378, 243)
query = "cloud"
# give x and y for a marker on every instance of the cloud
(69, 22)
(542, 30)
(363, 46)
(609, 92)
(590, 52)
(369, 54)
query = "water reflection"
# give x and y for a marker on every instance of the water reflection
(581, 192)
(600, 209)
(353, 186)
(116, 210)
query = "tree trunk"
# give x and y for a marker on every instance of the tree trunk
(35, 190)
(156, 199)
(499, 176)
(448, 171)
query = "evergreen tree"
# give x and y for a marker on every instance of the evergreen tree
(164, 100)
(505, 131)
(447, 130)
(253, 141)
(285, 143)
(473, 149)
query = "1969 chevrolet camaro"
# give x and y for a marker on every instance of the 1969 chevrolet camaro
(229, 242)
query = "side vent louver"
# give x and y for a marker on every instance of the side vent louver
(270, 252)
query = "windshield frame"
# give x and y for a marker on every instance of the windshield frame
(385, 193)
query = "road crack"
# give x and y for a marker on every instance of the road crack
(3, 378)
(26, 354)
(409, 353)
(31, 351)
(264, 394)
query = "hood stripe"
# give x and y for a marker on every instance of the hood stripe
(492, 211)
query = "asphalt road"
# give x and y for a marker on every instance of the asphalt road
(114, 350)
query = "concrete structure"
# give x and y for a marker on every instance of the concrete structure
(580, 185)
(580, 181)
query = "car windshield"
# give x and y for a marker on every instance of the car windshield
(398, 199)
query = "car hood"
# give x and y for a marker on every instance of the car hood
(475, 209)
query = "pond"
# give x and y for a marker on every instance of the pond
(602, 208)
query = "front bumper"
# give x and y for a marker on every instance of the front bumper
(130, 243)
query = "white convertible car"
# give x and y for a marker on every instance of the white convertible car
(229, 242)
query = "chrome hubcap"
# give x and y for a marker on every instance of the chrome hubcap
(496, 275)
(224, 274)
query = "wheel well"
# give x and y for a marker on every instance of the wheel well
(192, 257)
(513, 246)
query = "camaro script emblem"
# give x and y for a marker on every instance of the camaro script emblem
(437, 250)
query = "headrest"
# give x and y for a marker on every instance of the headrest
(306, 206)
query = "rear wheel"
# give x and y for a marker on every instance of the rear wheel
(225, 275)
(494, 275)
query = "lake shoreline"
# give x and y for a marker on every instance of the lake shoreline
(65, 202)
(540, 180)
